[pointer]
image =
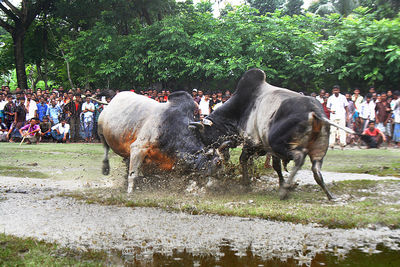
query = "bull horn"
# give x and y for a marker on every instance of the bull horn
(210, 152)
(196, 125)
(225, 145)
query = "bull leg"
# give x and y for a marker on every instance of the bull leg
(299, 157)
(135, 162)
(316, 169)
(276, 164)
(244, 158)
(106, 163)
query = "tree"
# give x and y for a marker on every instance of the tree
(19, 20)
(266, 6)
(293, 7)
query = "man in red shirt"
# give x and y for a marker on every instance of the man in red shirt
(374, 136)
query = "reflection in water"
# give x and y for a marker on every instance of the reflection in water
(382, 256)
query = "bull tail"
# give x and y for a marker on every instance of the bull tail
(98, 101)
(328, 121)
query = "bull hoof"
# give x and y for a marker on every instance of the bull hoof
(291, 187)
(130, 189)
(106, 168)
(283, 193)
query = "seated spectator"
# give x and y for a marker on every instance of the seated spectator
(3, 131)
(60, 131)
(31, 131)
(373, 136)
(45, 129)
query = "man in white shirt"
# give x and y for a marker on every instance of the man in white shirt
(88, 112)
(204, 106)
(60, 131)
(337, 105)
(365, 112)
(30, 106)
(321, 96)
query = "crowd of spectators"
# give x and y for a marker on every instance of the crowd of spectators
(60, 115)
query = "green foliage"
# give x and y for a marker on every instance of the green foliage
(266, 6)
(365, 52)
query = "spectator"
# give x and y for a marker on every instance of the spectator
(19, 120)
(382, 116)
(54, 112)
(31, 131)
(365, 112)
(9, 111)
(321, 96)
(396, 117)
(30, 106)
(73, 110)
(337, 105)
(3, 103)
(3, 131)
(196, 98)
(357, 99)
(60, 131)
(204, 106)
(45, 129)
(41, 109)
(88, 110)
(213, 102)
(374, 135)
(324, 106)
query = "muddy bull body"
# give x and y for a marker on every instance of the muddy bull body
(150, 133)
(273, 120)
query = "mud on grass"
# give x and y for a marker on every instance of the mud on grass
(361, 203)
(16, 251)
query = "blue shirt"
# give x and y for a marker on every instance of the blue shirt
(53, 113)
(42, 110)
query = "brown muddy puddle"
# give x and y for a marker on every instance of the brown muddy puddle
(229, 257)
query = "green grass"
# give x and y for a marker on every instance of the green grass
(56, 161)
(308, 204)
(16, 251)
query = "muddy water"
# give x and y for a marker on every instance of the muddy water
(152, 237)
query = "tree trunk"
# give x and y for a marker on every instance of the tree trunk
(45, 47)
(18, 38)
(68, 71)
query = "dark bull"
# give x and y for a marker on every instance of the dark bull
(271, 120)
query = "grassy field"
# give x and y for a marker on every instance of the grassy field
(16, 251)
(362, 202)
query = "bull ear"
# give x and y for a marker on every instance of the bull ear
(196, 126)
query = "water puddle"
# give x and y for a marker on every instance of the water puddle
(228, 256)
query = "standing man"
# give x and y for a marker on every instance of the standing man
(9, 111)
(73, 110)
(41, 109)
(30, 106)
(88, 112)
(382, 115)
(337, 105)
(54, 112)
(321, 96)
(396, 119)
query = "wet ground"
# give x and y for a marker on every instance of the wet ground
(153, 237)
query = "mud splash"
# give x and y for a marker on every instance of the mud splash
(28, 207)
